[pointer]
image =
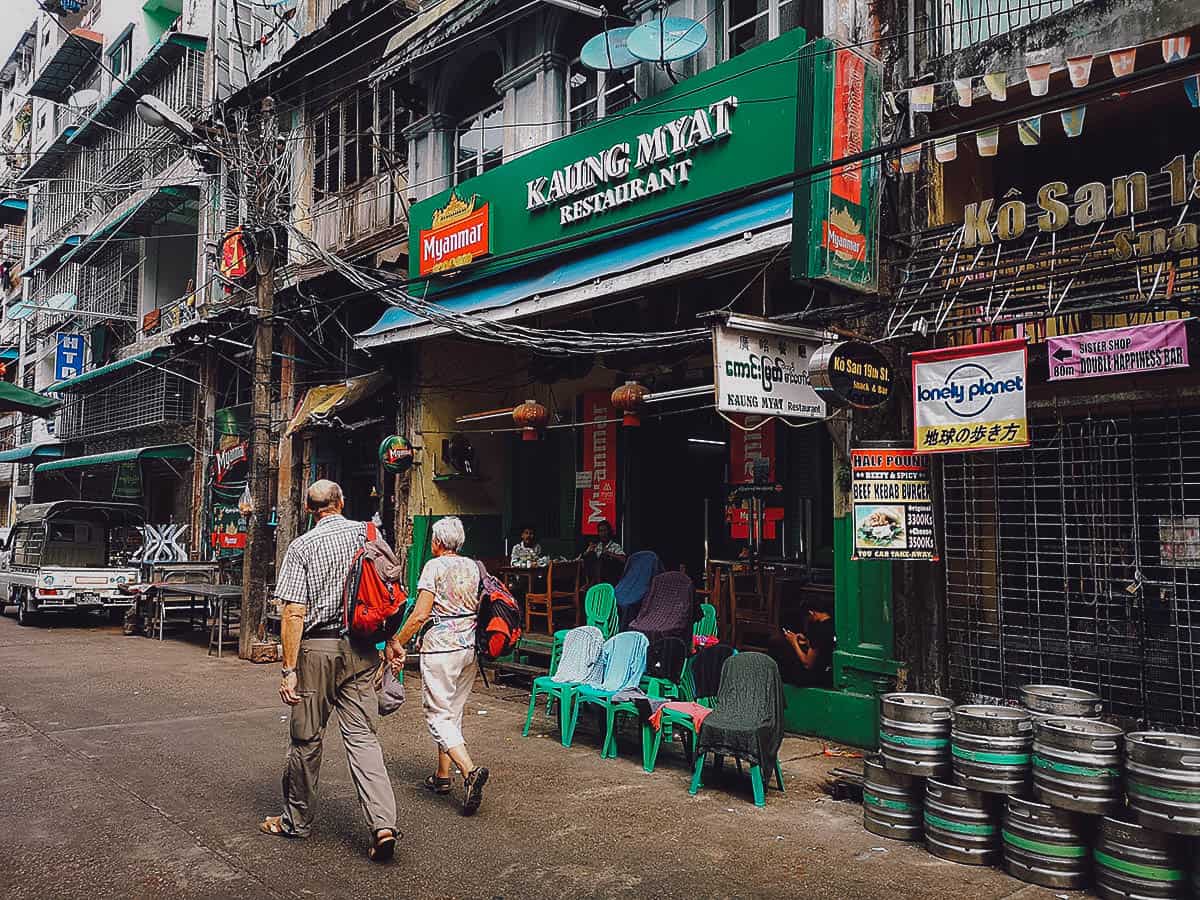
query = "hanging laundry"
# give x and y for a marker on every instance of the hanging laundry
(963, 87)
(1080, 69)
(1072, 120)
(987, 141)
(920, 98)
(1039, 79)
(945, 149)
(1030, 131)
(910, 159)
(1122, 61)
(997, 85)
(1192, 88)
(1176, 48)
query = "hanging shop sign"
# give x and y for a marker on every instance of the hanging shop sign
(1118, 351)
(752, 452)
(851, 373)
(599, 501)
(228, 479)
(985, 223)
(761, 368)
(970, 398)
(235, 255)
(68, 357)
(835, 221)
(893, 506)
(127, 485)
(395, 454)
(460, 234)
(699, 140)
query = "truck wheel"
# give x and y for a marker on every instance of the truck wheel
(25, 615)
(11, 600)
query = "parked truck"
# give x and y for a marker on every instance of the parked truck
(70, 555)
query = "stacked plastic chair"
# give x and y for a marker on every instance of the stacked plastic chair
(579, 664)
(623, 663)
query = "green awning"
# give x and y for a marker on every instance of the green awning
(13, 210)
(79, 49)
(16, 399)
(150, 208)
(52, 257)
(164, 451)
(32, 451)
(145, 356)
(158, 61)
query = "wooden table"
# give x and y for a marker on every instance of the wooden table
(511, 574)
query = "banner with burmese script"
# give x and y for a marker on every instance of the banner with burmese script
(970, 398)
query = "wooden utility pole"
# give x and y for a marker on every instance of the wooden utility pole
(260, 549)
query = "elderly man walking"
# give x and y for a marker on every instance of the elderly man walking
(324, 671)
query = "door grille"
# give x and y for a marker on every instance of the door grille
(1077, 561)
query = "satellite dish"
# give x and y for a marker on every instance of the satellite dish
(65, 300)
(606, 52)
(670, 39)
(84, 99)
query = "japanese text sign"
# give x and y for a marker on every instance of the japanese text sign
(893, 508)
(1118, 351)
(970, 398)
(764, 373)
(68, 360)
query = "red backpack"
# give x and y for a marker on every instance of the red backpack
(373, 600)
(497, 619)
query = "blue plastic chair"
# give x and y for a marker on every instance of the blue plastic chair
(624, 662)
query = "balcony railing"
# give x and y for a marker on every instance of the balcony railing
(152, 396)
(167, 318)
(349, 218)
(957, 24)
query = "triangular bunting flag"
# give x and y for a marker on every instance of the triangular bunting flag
(945, 149)
(920, 98)
(1192, 88)
(1122, 61)
(962, 86)
(1072, 120)
(987, 141)
(1030, 131)
(1039, 79)
(910, 159)
(1080, 69)
(997, 85)
(1176, 48)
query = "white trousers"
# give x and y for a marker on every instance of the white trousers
(446, 681)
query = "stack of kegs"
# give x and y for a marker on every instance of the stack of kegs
(1063, 797)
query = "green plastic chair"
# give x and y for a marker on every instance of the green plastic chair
(672, 719)
(625, 663)
(600, 609)
(563, 693)
(705, 627)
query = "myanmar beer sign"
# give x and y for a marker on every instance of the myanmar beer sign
(970, 398)
(459, 236)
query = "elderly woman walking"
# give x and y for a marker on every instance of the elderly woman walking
(444, 617)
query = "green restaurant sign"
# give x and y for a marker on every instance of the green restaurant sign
(737, 126)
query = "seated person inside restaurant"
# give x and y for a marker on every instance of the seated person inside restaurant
(805, 656)
(528, 551)
(603, 557)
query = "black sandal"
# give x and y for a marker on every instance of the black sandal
(473, 793)
(436, 785)
(384, 847)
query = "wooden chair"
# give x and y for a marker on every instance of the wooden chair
(751, 611)
(563, 581)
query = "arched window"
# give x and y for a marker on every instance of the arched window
(479, 125)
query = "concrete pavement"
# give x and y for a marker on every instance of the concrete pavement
(133, 768)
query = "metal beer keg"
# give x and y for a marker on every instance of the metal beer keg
(892, 802)
(1061, 702)
(1077, 765)
(914, 734)
(1162, 778)
(991, 747)
(1044, 845)
(961, 825)
(1132, 861)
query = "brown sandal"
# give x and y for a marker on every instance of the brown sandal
(384, 847)
(274, 825)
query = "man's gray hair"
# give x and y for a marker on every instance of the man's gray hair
(449, 533)
(323, 494)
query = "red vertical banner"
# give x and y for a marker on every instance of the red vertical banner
(848, 99)
(600, 458)
(748, 447)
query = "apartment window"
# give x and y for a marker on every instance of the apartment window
(749, 23)
(592, 95)
(345, 137)
(479, 143)
(394, 117)
(120, 57)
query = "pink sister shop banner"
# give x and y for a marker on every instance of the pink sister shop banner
(1118, 351)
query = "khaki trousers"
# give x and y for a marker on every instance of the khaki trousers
(334, 674)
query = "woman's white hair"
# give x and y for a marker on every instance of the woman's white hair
(449, 533)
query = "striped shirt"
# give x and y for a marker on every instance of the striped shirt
(315, 568)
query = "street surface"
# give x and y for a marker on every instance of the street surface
(133, 768)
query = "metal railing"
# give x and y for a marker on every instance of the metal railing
(957, 24)
(151, 396)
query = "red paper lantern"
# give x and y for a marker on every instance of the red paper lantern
(629, 398)
(531, 418)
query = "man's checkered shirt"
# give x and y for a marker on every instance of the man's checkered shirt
(315, 567)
